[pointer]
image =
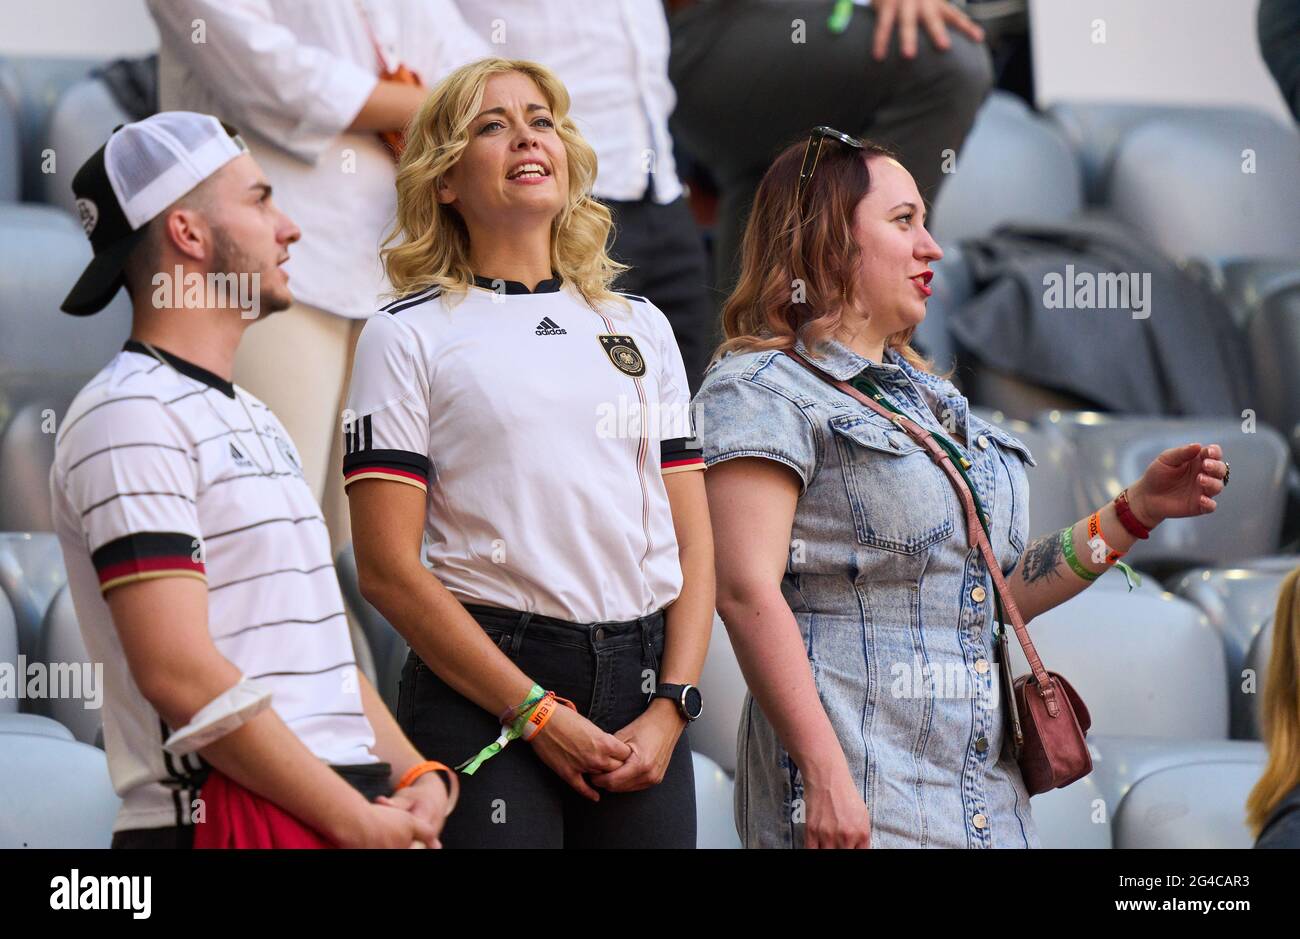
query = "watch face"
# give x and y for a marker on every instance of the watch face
(693, 702)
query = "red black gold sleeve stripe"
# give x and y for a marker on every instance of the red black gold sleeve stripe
(678, 454)
(146, 555)
(398, 465)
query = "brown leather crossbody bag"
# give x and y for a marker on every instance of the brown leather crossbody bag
(1047, 720)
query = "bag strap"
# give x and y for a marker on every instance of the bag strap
(974, 529)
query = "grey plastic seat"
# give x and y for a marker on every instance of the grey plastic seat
(1052, 503)
(10, 159)
(43, 251)
(1145, 664)
(1072, 817)
(1114, 452)
(26, 455)
(1180, 181)
(8, 649)
(1014, 166)
(715, 824)
(79, 123)
(387, 648)
(54, 794)
(1237, 601)
(1273, 340)
(63, 651)
(714, 734)
(1202, 805)
(1095, 130)
(33, 724)
(1256, 667)
(33, 86)
(1121, 763)
(31, 573)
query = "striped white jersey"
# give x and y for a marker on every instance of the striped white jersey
(158, 472)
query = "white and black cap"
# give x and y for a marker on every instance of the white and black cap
(143, 168)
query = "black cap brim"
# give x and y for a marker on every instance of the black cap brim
(102, 278)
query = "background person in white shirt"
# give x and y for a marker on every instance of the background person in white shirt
(613, 58)
(567, 551)
(302, 80)
(196, 555)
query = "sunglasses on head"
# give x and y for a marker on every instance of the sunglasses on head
(813, 151)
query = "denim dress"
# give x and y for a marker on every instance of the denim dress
(895, 608)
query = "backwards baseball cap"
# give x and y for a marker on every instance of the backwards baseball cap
(143, 168)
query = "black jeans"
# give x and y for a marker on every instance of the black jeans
(515, 800)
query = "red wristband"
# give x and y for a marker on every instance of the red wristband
(1127, 518)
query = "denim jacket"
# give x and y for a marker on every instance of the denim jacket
(895, 608)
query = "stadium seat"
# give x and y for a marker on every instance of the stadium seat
(1073, 817)
(1095, 130)
(1113, 452)
(80, 122)
(31, 573)
(1255, 667)
(1014, 166)
(723, 685)
(1158, 817)
(1145, 664)
(1237, 601)
(8, 649)
(715, 823)
(42, 253)
(34, 86)
(1202, 805)
(1216, 186)
(54, 794)
(1273, 340)
(387, 647)
(60, 644)
(33, 724)
(1052, 503)
(10, 163)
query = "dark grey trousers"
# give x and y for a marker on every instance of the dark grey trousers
(746, 89)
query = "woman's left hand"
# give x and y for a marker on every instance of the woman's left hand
(1180, 482)
(653, 737)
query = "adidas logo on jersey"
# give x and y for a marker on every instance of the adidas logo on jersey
(239, 458)
(548, 327)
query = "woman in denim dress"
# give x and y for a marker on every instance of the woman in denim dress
(860, 615)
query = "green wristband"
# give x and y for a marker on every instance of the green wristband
(1067, 544)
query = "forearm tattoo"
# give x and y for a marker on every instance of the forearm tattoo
(1042, 558)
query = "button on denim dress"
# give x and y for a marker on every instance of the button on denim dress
(895, 608)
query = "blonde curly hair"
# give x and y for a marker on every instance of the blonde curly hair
(429, 243)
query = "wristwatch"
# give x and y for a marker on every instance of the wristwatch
(689, 701)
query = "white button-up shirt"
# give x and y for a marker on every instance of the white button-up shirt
(612, 56)
(292, 76)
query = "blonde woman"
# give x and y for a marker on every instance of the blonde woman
(530, 426)
(1273, 809)
(861, 617)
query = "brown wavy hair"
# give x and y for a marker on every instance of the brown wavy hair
(429, 243)
(1280, 708)
(788, 245)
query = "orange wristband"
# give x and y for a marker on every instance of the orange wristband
(1094, 531)
(432, 766)
(543, 713)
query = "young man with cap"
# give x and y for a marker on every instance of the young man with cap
(197, 557)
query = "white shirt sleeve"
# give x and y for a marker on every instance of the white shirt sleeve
(679, 447)
(298, 96)
(386, 424)
(130, 475)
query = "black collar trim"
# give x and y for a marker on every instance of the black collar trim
(188, 369)
(514, 286)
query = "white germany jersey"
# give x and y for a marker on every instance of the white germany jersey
(157, 473)
(540, 429)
